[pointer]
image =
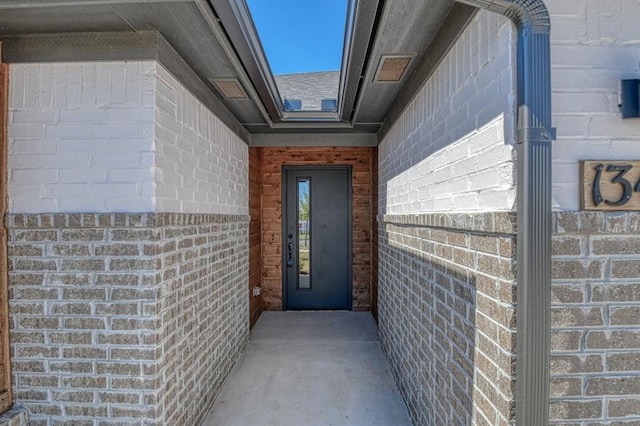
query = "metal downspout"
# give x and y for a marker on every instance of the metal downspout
(534, 138)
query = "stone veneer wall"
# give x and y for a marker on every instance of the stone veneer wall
(595, 354)
(125, 318)
(446, 296)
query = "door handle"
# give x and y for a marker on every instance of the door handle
(290, 259)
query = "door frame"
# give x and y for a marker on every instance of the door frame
(313, 167)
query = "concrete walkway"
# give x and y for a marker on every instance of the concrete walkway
(310, 368)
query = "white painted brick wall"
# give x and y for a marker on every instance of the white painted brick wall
(118, 137)
(595, 44)
(81, 137)
(453, 148)
(201, 165)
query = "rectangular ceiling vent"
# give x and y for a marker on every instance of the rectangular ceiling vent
(230, 88)
(391, 68)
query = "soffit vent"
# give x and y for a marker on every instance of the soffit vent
(391, 68)
(230, 88)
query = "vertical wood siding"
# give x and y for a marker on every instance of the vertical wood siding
(6, 398)
(255, 232)
(374, 233)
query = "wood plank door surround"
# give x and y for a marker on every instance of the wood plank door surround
(317, 238)
(6, 397)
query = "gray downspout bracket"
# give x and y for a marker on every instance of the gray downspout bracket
(535, 133)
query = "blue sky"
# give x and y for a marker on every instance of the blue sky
(300, 35)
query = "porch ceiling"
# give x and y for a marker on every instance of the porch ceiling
(206, 36)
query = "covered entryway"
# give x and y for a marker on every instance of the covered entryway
(145, 209)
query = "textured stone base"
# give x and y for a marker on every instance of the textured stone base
(17, 416)
(447, 314)
(125, 318)
(595, 321)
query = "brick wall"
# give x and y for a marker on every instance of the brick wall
(427, 165)
(595, 44)
(595, 358)
(596, 263)
(81, 137)
(446, 285)
(119, 136)
(201, 165)
(453, 147)
(125, 318)
(447, 315)
(272, 161)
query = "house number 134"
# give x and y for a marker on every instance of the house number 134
(611, 185)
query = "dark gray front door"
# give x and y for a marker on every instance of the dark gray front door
(317, 238)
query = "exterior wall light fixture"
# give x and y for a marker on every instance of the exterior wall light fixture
(630, 98)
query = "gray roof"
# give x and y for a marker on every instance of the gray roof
(311, 88)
